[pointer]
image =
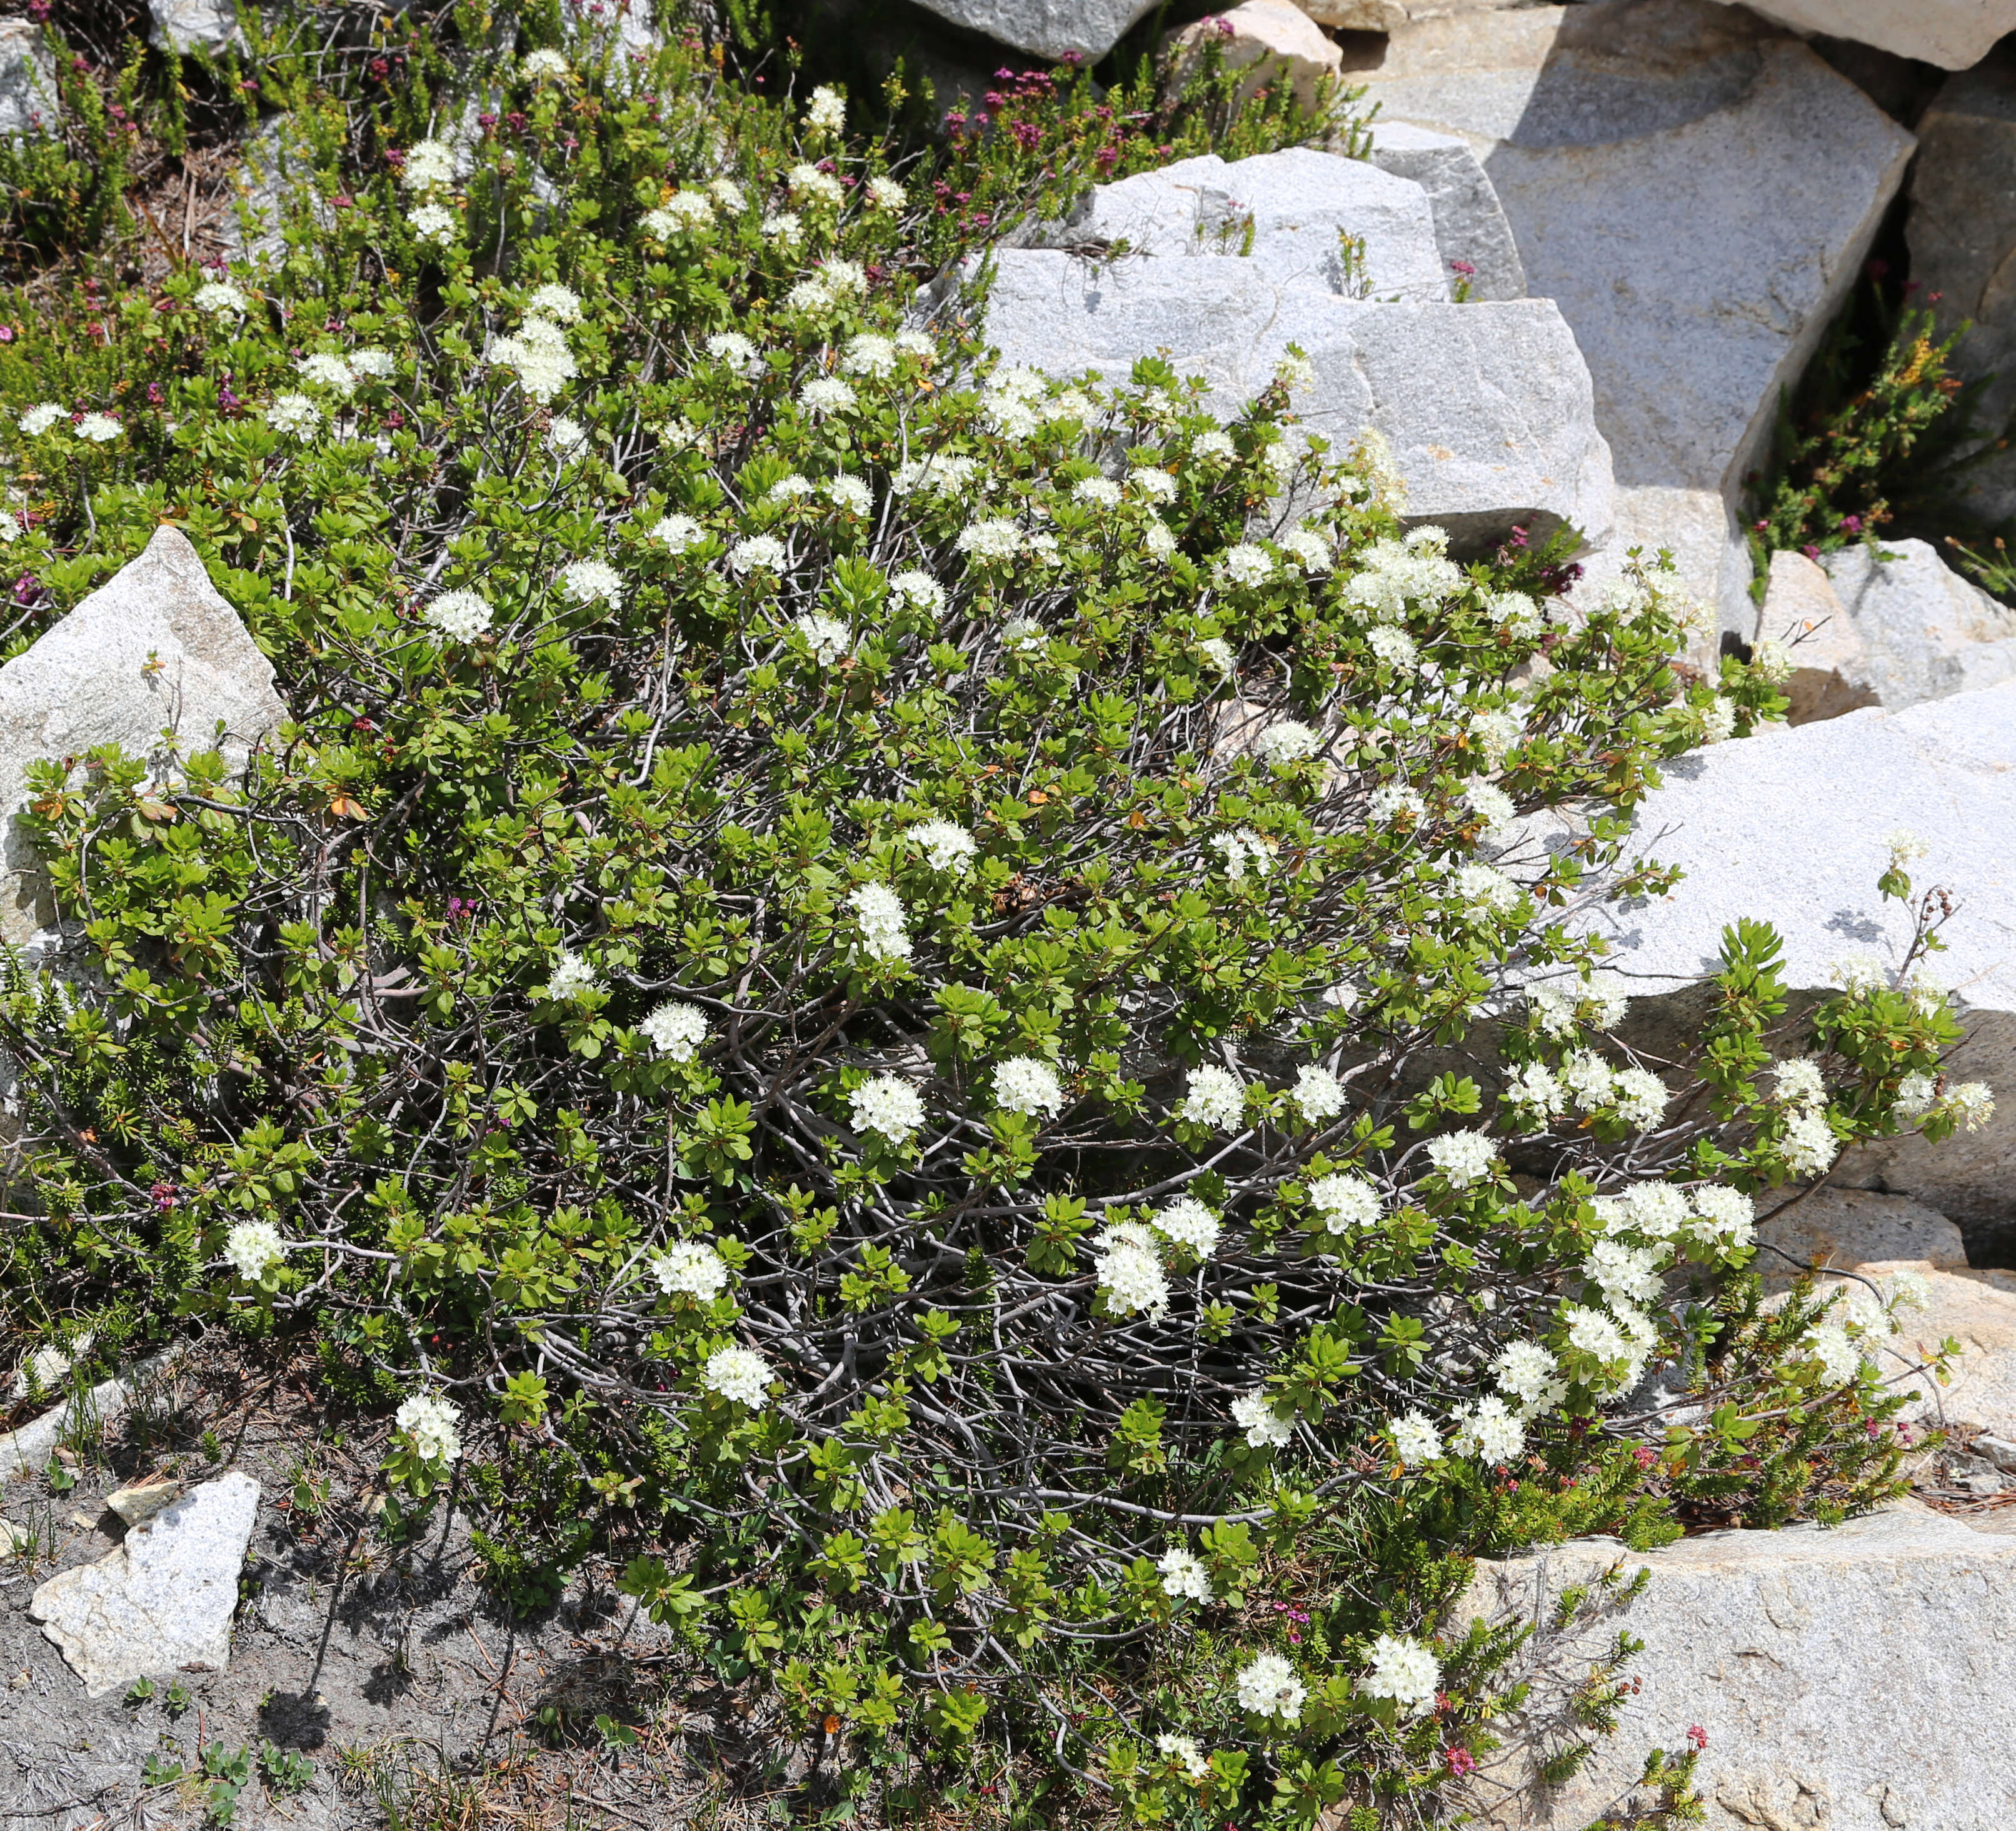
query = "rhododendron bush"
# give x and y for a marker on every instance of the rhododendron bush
(931, 1010)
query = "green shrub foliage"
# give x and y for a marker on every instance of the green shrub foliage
(860, 982)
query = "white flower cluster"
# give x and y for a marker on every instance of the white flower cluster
(946, 845)
(1318, 1093)
(431, 1423)
(1190, 1224)
(1286, 741)
(878, 912)
(826, 637)
(888, 1105)
(1244, 850)
(683, 212)
(1415, 1440)
(218, 298)
(1464, 1158)
(461, 616)
(1268, 1687)
(252, 1246)
(43, 417)
(1183, 1574)
(1024, 1084)
(739, 1374)
(1561, 1006)
(539, 356)
(675, 1030)
(826, 113)
(589, 581)
(1528, 1372)
(1487, 1429)
(920, 591)
(1344, 1201)
(1217, 1098)
(678, 532)
(1254, 1415)
(1184, 1752)
(690, 1268)
(1623, 1341)
(1128, 1265)
(1392, 575)
(1403, 1670)
(572, 974)
(295, 414)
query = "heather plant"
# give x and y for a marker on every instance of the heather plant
(925, 1009)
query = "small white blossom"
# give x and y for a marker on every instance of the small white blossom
(1722, 1216)
(293, 413)
(946, 845)
(1840, 1358)
(1810, 1145)
(992, 540)
(728, 194)
(1491, 805)
(850, 493)
(808, 182)
(1286, 741)
(1391, 801)
(461, 616)
(885, 193)
(572, 974)
(1415, 1440)
(690, 1268)
(869, 355)
(375, 364)
(1183, 1750)
(434, 222)
(587, 581)
(1183, 1575)
(1971, 1103)
(920, 591)
(683, 212)
(429, 165)
(759, 553)
(431, 1423)
(1218, 652)
(38, 419)
(1403, 1670)
(1217, 1098)
(1318, 1093)
(731, 347)
(1270, 1688)
(827, 394)
(1129, 1267)
(329, 371)
(1905, 847)
(1625, 1274)
(1487, 1430)
(1190, 1224)
(675, 1030)
(828, 639)
(879, 913)
(739, 1374)
(826, 113)
(218, 298)
(1244, 851)
(554, 301)
(568, 438)
(1254, 1415)
(252, 1246)
(1344, 1203)
(543, 62)
(1246, 565)
(1393, 645)
(1024, 1084)
(1157, 486)
(1800, 1081)
(1642, 1098)
(1462, 1157)
(1588, 1080)
(1310, 549)
(1102, 492)
(1526, 1372)
(888, 1105)
(678, 532)
(1212, 444)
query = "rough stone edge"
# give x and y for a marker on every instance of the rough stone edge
(26, 1450)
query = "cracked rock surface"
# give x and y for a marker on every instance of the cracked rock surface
(163, 1598)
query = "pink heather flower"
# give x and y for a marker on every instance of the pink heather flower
(1698, 1736)
(1460, 1761)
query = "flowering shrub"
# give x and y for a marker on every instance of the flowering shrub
(919, 1003)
